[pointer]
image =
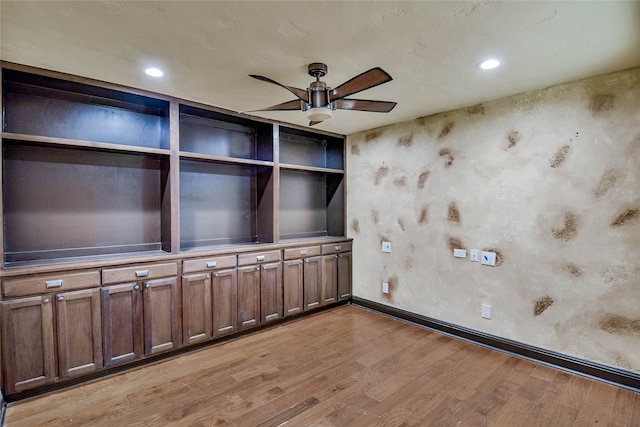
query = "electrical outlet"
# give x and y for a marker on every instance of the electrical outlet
(385, 287)
(460, 253)
(486, 311)
(386, 247)
(488, 258)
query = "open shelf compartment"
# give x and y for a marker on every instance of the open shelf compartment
(311, 204)
(46, 106)
(63, 203)
(300, 148)
(224, 204)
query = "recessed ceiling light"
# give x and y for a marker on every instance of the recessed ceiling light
(488, 64)
(154, 72)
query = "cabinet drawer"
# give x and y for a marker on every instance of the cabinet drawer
(137, 273)
(50, 283)
(334, 248)
(301, 252)
(258, 257)
(204, 264)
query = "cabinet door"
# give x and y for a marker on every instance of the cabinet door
(248, 297)
(121, 323)
(79, 332)
(225, 302)
(344, 276)
(29, 354)
(271, 291)
(312, 283)
(161, 315)
(329, 292)
(197, 322)
(292, 285)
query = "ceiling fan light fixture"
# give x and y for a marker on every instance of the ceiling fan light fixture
(319, 114)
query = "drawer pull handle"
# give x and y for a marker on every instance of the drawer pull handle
(142, 273)
(60, 298)
(303, 252)
(338, 247)
(260, 257)
(54, 283)
(212, 264)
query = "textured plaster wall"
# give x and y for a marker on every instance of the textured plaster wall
(549, 180)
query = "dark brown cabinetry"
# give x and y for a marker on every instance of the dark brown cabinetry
(259, 288)
(35, 327)
(302, 279)
(209, 305)
(336, 273)
(141, 316)
(131, 185)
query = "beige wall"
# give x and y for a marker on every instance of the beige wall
(549, 180)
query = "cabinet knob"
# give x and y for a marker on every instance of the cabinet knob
(257, 268)
(215, 275)
(306, 260)
(136, 287)
(46, 300)
(335, 256)
(339, 255)
(61, 298)
(147, 285)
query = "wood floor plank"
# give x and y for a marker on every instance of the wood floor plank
(342, 367)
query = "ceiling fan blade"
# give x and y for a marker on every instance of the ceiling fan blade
(300, 93)
(364, 105)
(296, 104)
(368, 79)
(313, 123)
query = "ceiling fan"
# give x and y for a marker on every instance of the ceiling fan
(318, 101)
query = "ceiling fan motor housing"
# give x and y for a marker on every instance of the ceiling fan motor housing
(319, 95)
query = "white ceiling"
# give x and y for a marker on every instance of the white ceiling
(207, 48)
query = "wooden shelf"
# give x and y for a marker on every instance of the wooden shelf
(63, 142)
(222, 159)
(311, 169)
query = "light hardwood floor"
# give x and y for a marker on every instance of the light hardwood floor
(343, 367)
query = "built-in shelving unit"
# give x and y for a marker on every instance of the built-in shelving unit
(92, 170)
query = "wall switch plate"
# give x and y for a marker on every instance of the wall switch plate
(460, 253)
(488, 258)
(486, 311)
(385, 287)
(474, 255)
(386, 246)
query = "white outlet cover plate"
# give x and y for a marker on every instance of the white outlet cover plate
(385, 287)
(460, 253)
(486, 311)
(386, 246)
(474, 255)
(488, 258)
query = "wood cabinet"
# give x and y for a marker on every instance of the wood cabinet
(225, 302)
(271, 303)
(336, 273)
(302, 279)
(248, 297)
(259, 288)
(209, 298)
(197, 309)
(140, 318)
(51, 335)
(28, 343)
(79, 332)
